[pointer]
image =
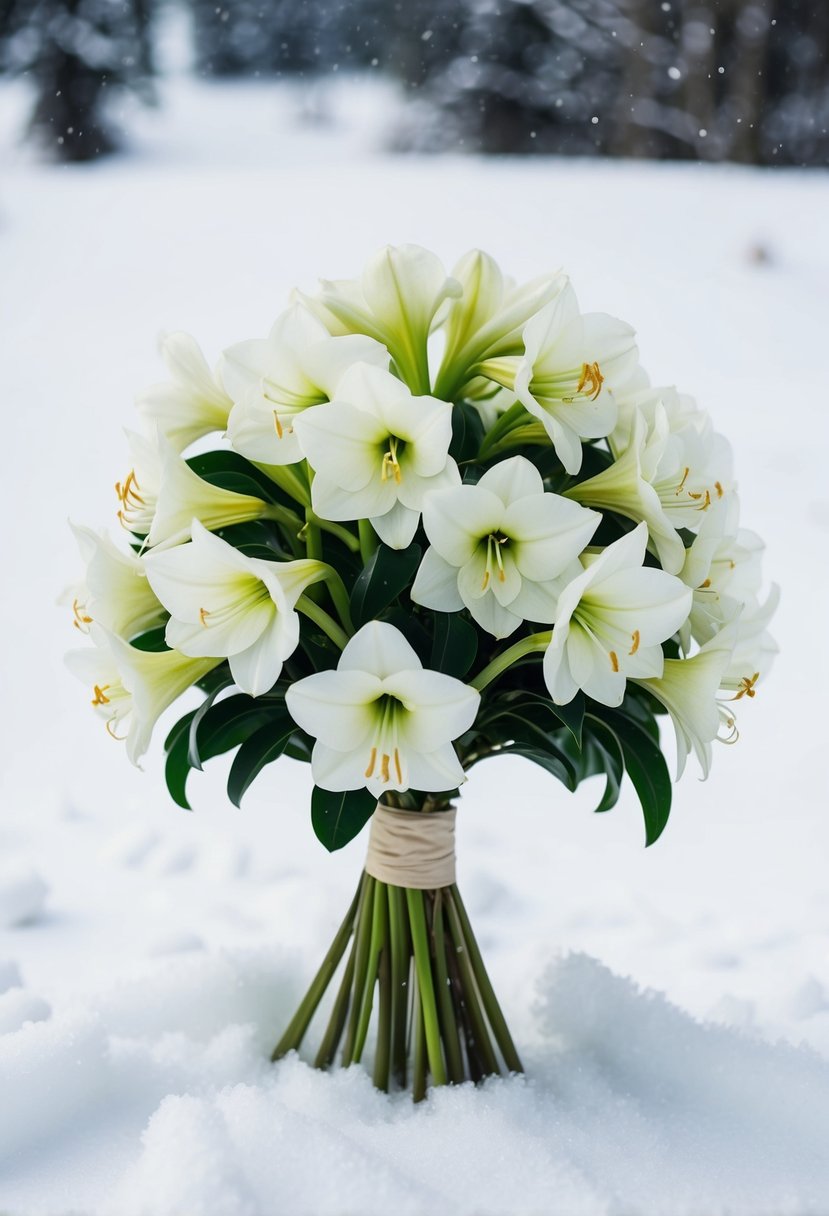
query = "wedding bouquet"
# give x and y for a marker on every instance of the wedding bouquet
(446, 518)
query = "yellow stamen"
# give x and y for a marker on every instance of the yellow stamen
(371, 763)
(592, 379)
(681, 485)
(384, 767)
(485, 581)
(747, 688)
(614, 660)
(203, 615)
(111, 731)
(100, 698)
(80, 616)
(635, 646)
(391, 465)
(278, 425)
(707, 583)
(398, 768)
(719, 489)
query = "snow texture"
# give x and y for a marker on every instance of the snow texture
(672, 1006)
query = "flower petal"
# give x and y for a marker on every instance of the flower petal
(335, 706)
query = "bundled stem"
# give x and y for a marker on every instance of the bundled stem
(414, 971)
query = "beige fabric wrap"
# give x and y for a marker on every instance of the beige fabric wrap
(412, 848)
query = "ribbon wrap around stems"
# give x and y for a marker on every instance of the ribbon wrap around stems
(412, 848)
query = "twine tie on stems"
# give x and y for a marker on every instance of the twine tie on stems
(414, 849)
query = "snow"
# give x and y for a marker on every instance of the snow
(671, 1005)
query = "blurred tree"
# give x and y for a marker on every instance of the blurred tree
(78, 54)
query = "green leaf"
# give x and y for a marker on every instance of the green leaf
(263, 747)
(193, 757)
(545, 713)
(646, 768)
(177, 765)
(553, 761)
(152, 640)
(467, 432)
(455, 645)
(604, 750)
(388, 572)
(230, 471)
(338, 818)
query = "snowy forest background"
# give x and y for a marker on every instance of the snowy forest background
(716, 80)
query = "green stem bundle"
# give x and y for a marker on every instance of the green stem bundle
(412, 968)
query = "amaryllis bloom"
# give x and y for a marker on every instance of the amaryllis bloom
(571, 366)
(115, 592)
(395, 301)
(686, 461)
(184, 496)
(381, 720)
(377, 451)
(499, 547)
(223, 604)
(624, 487)
(131, 688)
(273, 379)
(487, 321)
(192, 403)
(688, 689)
(138, 492)
(755, 648)
(611, 622)
(723, 569)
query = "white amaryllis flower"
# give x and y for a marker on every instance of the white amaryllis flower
(381, 720)
(611, 622)
(193, 403)
(377, 451)
(624, 487)
(223, 604)
(723, 569)
(500, 547)
(755, 648)
(571, 367)
(131, 688)
(686, 461)
(487, 321)
(273, 379)
(115, 593)
(184, 496)
(688, 690)
(395, 301)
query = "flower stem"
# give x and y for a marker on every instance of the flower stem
(326, 525)
(449, 1025)
(320, 617)
(425, 987)
(490, 1002)
(418, 1047)
(534, 644)
(339, 595)
(360, 967)
(379, 933)
(382, 1054)
(368, 541)
(400, 967)
(477, 1025)
(515, 415)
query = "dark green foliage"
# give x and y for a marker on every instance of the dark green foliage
(387, 574)
(338, 818)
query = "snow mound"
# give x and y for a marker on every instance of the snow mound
(22, 894)
(629, 1105)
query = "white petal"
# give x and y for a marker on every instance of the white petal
(512, 479)
(257, 669)
(396, 528)
(436, 771)
(378, 648)
(338, 771)
(436, 584)
(557, 676)
(441, 707)
(341, 442)
(549, 534)
(330, 501)
(455, 521)
(335, 706)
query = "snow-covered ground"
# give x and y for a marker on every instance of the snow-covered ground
(672, 1005)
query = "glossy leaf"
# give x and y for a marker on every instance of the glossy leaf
(263, 747)
(338, 818)
(646, 768)
(467, 432)
(454, 646)
(389, 571)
